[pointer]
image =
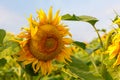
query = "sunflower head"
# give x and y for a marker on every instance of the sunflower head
(45, 40)
(47, 43)
(114, 48)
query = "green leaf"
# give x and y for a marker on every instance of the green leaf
(3, 61)
(29, 70)
(69, 17)
(89, 19)
(79, 64)
(93, 46)
(116, 18)
(2, 36)
(80, 69)
(10, 47)
(106, 74)
(84, 18)
(80, 44)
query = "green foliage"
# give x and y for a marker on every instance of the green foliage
(2, 36)
(110, 72)
(29, 70)
(106, 74)
(81, 70)
(3, 61)
(84, 18)
(80, 44)
(101, 30)
(93, 46)
(89, 62)
(8, 65)
(9, 47)
(109, 37)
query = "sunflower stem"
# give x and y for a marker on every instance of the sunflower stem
(101, 43)
(93, 62)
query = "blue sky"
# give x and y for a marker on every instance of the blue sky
(14, 14)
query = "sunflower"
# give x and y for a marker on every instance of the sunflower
(114, 49)
(45, 40)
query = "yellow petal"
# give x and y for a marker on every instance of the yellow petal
(50, 15)
(31, 26)
(27, 62)
(38, 65)
(42, 16)
(23, 43)
(57, 18)
(117, 62)
(43, 68)
(113, 50)
(57, 21)
(67, 40)
(46, 67)
(117, 21)
(49, 66)
(68, 50)
(66, 55)
(60, 58)
(34, 65)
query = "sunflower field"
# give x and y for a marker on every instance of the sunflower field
(45, 50)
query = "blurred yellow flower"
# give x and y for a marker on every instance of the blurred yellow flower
(44, 41)
(114, 49)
